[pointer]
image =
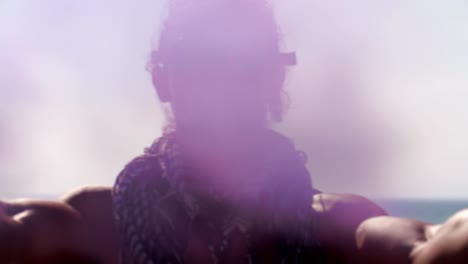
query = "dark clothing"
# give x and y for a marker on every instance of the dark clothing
(162, 220)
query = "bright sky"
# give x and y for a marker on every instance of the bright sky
(377, 99)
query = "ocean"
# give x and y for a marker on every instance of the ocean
(433, 211)
(428, 210)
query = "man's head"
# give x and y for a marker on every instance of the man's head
(219, 65)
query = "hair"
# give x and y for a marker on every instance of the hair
(201, 21)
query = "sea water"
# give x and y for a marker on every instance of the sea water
(428, 210)
(432, 211)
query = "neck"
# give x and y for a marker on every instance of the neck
(221, 161)
(229, 144)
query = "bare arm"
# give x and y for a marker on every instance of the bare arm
(35, 231)
(94, 203)
(396, 240)
(447, 243)
(389, 239)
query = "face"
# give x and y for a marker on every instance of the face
(220, 90)
(222, 72)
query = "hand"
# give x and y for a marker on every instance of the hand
(447, 244)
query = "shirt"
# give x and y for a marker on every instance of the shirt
(160, 219)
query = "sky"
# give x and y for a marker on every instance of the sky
(377, 100)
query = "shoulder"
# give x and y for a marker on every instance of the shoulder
(326, 201)
(339, 216)
(139, 172)
(146, 168)
(279, 143)
(345, 209)
(84, 193)
(94, 203)
(343, 213)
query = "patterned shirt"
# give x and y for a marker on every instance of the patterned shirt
(161, 219)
